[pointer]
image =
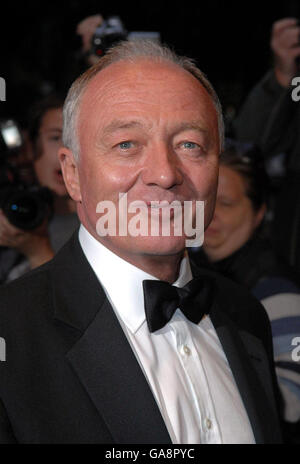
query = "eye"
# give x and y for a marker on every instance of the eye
(127, 148)
(125, 145)
(55, 138)
(190, 145)
(225, 203)
(189, 148)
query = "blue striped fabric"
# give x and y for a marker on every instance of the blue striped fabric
(294, 388)
(272, 286)
(281, 300)
(283, 344)
(286, 325)
(291, 366)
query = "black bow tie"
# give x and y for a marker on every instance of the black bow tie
(162, 299)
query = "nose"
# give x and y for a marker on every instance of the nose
(215, 217)
(162, 168)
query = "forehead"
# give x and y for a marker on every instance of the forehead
(52, 118)
(145, 87)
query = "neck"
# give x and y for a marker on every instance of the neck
(162, 267)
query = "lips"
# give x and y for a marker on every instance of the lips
(58, 176)
(159, 203)
(211, 231)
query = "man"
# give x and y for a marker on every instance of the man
(88, 360)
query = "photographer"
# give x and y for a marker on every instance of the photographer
(86, 29)
(269, 116)
(98, 34)
(28, 249)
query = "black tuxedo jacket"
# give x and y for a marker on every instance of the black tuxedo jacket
(70, 375)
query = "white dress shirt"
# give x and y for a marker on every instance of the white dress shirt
(184, 363)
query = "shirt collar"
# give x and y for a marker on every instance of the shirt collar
(121, 281)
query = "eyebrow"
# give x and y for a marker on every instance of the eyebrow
(119, 124)
(194, 125)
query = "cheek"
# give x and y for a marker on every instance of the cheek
(104, 181)
(231, 218)
(40, 167)
(49, 151)
(98, 184)
(239, 224)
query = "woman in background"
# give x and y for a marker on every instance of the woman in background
(25, 250)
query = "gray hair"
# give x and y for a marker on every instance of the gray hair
(129, 51)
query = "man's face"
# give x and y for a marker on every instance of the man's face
(148, 130)
(46, 166)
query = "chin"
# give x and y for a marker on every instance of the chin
(144, 246)
(160, 246)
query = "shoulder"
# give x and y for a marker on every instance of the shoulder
(25, 297)
(37, 283)
(30, 294)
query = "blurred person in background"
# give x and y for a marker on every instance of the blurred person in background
(30, 249)
(236, 245)
(85, 30)
(269, 117)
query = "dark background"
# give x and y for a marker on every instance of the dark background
(229, 40)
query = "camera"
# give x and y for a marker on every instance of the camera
(106, 34)
(26, 207)
(111, 31)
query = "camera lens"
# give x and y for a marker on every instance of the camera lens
(25, 210)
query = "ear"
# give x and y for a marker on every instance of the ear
(260, 215)
(69, 169)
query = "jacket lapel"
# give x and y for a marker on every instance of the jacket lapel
(102, 357)
(250, 367)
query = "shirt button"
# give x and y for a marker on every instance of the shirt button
(186, 350)
(208, 424)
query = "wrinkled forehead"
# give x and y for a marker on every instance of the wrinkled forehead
(142, 79)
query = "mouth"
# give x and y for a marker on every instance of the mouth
(58, 175)
(161, 210)
(160, 203)
(211, 231)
